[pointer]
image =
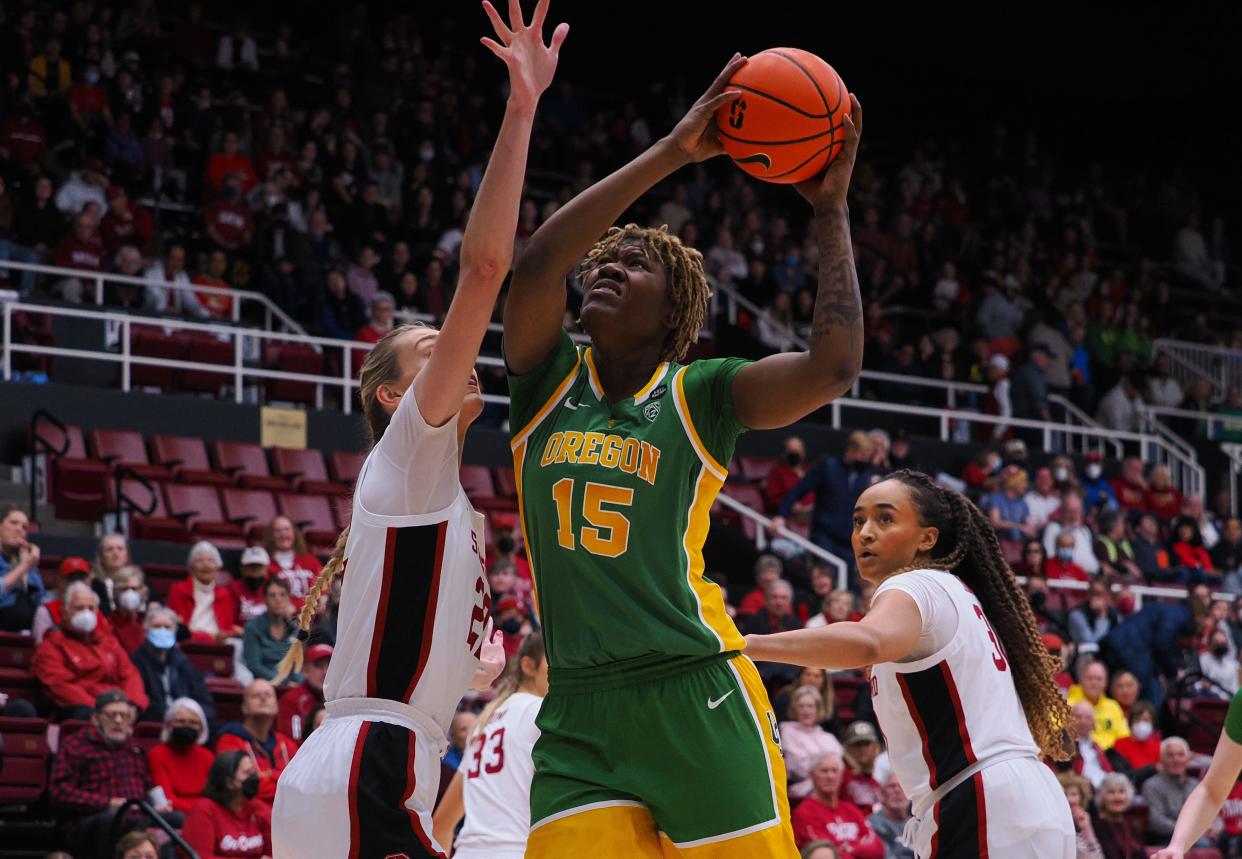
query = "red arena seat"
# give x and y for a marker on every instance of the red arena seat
(24, 775)
(160, 344)
(312, 514)
(16, 650)
(186, 457)
(252, 509)
(305, 470)
(344, 465)
(206, 349)
(477, 481)
(246, 463)
(126, 448)
(293, 358)
(151, 520)
(209, 657)
(756, 468)
(199, 507)
(77, 480)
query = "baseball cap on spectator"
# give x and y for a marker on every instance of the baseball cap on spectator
(999, 361)
(1094, 456)
(861, 732)
(511, 603)
(74, 564)
(255, 555)
(110, 696)
(318, 651)
(1052, 642)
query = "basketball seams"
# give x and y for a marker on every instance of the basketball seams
(809, 76)
(805, 161)
(807, 139)
(776, 100)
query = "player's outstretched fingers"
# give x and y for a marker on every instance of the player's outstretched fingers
(498, 24)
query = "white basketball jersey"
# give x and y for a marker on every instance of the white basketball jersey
(414, 596)
(498, 771)
(954, 708)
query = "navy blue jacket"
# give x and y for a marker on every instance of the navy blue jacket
(184, 681)
(836, 488)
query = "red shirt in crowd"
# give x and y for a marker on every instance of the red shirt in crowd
(1165, 503)
(842, 824)
(1231, 811)
(72, 252)
(181, 772)
(215, 832)
(780, 480)
(250, 603)
(219, 306)
(1140, 754)
(89, 99)
(129, 630)
(862, 790)
(224, 606)
(270, 763)
(231, 222)
(1195, 557)
(222, 164)
(1055, 568)
(297, 571)
(1129, 496)
(138, 230)
(296, 704)
(75, 670)
(25, 138)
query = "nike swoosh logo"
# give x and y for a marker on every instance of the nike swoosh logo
(712, 705)
(570, 405)
(757, 158)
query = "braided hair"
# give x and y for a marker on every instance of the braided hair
(688, 289)
(967, 546)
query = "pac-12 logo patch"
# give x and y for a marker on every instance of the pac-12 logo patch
(651, 411)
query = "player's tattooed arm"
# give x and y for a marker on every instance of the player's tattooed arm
(783, 388)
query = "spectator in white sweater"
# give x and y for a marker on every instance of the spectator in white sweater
(803, 740)
(1071, 521)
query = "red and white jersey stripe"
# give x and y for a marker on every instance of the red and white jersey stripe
(955, 707)
(414, 596)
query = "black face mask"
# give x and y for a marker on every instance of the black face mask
(859, 465)
(250, 787)
(505, 545)
(793, 458)
(1220, 650)
(1038, 598)
(183, 736)
(511, 625)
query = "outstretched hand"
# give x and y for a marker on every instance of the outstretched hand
(1169, 853)
(531, 63)
(491, 659)
(696, 135)
(831, 187)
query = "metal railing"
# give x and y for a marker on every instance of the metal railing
(1139, 591)
(1188, 475)
(764, 523)
(247, 347)
(272, 313)
(1214, 423)
(1192, 361)
(1233, 450)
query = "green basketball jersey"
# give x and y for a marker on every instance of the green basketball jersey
(614, 500)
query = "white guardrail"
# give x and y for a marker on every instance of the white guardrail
(272, 313)
(1139, 591)
(1219, 364)
(1234, 452)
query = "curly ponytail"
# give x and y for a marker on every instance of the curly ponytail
(974, 555)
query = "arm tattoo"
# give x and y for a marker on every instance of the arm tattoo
(836, 328)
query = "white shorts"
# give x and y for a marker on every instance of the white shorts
(361, 787)
(1015, 807)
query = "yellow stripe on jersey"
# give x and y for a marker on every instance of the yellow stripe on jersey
(593, 375)
(683, 412)
(651, 383)
(519, 454)
(545, 409)
(706, 593)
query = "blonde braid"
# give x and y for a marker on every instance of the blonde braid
(292, 663)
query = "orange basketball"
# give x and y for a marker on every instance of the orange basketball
(789, 123)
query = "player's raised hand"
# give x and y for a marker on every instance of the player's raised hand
(696, 134)
(491, 659)
(1169, 853)
(531, 63)
(831, 187)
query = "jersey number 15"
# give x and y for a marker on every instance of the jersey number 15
(607, 532)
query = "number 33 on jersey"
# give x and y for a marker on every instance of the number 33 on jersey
(615, 500)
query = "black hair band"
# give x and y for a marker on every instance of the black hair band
(303, 635)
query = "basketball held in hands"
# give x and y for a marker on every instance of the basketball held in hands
(788, 124)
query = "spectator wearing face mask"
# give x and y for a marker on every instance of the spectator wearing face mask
(1073, 524)
(297, 702)
(229, 821)
(1097, 493)
(790, 468)
(248, 588)
(257, 737)
(166, 672)
(513, 619)
(1061, 564)
(1219, 665)
(78, 661)
(50, 615)
(1141, 749)
(129, 592)
(181, 761)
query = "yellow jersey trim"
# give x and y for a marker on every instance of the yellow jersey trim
(683, 412)
(547, 407)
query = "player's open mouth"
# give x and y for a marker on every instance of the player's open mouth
(606, 284)
(866, 554)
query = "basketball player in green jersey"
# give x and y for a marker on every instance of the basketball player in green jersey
(657, 735)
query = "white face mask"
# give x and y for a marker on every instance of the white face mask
(129, 600)
(1060, 475)
(84, 621)
(1094, 471)
(1141, 730)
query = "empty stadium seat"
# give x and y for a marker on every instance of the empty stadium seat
(227, 693)
(293, 358)
(312, 514)
(305, 470)
(19, 683)
(206, 349)
(199, 507)
(147, 734)
(209, 657)
(246, 463)
(23, 778)
(161, 344)
(16, 650)
(477, 481)
(186, 457)
(755, 468)
(151, 520)
(252, 509)
(161, 577)
(344, 465)
(126, 448)
(77, 481)
(505, 481)
(1207, 719)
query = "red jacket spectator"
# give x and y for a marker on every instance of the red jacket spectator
(181, 772)
(1165, 503)
(215, 832)
(80, 249)
(1055, 568)
(87, 772)
(842, 824)
(1231, 811)
(297, 703)
(229, 224)
(271, 757)
(129, 630)
(25, 138)
(219, 306)
(780, 480)
(230, 160)
(75, 669)
(1130, 496)
(1143, 753)
(90, 100)
(298, 569)
(125, 224)
(1190, 555)
(224, 606)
